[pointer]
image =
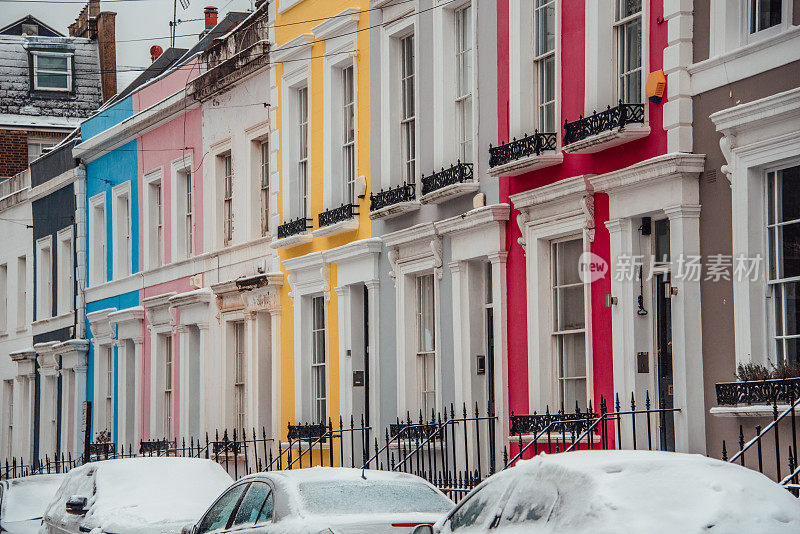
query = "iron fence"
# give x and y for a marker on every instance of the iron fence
(596, 123)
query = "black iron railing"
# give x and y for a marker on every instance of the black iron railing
(345, 212)
(782, 390)
(530, 145)
(455, 174)
(306, 431)
(156, 447)
(568, 422)
(402, 193)
(596, 123)
(294, 227)
(102, 450)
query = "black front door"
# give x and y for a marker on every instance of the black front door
(664, 346)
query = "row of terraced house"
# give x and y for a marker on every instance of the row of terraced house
(381, 208)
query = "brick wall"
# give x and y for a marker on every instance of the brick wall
(13, 152)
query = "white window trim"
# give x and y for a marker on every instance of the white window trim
(600, 75)
(290, 84)
(256, 135)
(66, 287)
(36, 54)
(391, 155)
(98, 247)
(757, 137)
(178, 169)
(22, 292)
(44, 295)
(334, 64)
(786, 22)
(4, 299)
(216, 223)
(121, 266)
(445, 84)
(523, 109)
(153, 257)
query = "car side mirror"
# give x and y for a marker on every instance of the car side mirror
(77, 505)
(423, 529)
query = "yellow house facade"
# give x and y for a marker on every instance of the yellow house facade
(320, 93)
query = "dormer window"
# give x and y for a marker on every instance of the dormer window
(52, 71)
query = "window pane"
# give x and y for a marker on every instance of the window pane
(251, 504)
(479, 508)
(266, 510)
(217, 517)
(425, 313)
(52, 81)
(789, 191)
(568, 254)
(530, 503)
(572, 361)
(626, 8)
(545, 27)
(53, 63)
(569, 308)
(789, 253)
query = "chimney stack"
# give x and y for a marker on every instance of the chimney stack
(211, 17)
(100, 26)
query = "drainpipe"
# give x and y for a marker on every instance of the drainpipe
(80, 252)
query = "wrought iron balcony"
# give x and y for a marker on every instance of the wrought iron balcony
(156, 446)
(402, 193)
(293, 227)
(530, 145)
(306, 431)
(455, 174)
(412, 430)
(597, 123)
(782, 390)
(345, 212)
(559, 422)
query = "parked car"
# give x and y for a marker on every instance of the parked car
(324, 500)
(602, 492)
(23, 501)
(134, 495)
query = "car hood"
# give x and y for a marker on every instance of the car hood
(31, 526)
(357, 524)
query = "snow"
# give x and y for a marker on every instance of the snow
(370, 497)
(602, 492)
(26, 498)
(144, 495)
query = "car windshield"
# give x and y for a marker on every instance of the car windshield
(27, 498)
(370, 497)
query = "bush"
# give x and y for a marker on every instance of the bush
(748, 372)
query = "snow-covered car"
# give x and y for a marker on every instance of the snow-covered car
(23, 501)
(134, 496)
(324, 500)
(604, 492)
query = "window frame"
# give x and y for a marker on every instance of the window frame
(540, 64)
(348, 140)
(3, 298)
(621, 23)
(747, 14)
(66, 271)
(318, 363)
(108, 399)
(98, 251)
(464, 98)
(264, 155)
(22, 291)
(408, 133)
(239, 339)
(44, 291)
(227, 173)
(169, 375)
(302, 162)
(122, 237)
(35, 71)
(425, 356)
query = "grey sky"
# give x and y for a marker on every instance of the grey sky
(139, 19)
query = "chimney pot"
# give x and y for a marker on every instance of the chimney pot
(211, 17)
(155, 52)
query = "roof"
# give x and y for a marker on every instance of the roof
(22, 107)
(16, 27)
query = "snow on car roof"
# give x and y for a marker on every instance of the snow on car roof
(151, 495)
(27, 497)
(650, 491)
(325, 474)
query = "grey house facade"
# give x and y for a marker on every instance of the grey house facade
(435, 209)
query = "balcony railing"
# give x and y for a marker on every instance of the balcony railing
(102, 450)
(597, 123)
(782, 390)
(558, 422)
(402, 193)
(530, 145)
(455, 174)
(345, 212)
(156, 447)
(293, 227)
(307, 431)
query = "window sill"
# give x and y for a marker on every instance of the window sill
(395, 210)
(754, 410)
(3, 334)
(449, 192)
(291, 241)
(53, 323)
(22, 329)
(526, 164)
(350, 225)
(611, 138)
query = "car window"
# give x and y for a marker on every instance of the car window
(267, 509)
(218, 515)
(477, 511)
(530, 504)
(252, 505)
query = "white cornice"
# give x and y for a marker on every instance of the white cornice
(649, 170)
(496, 213)
(775, 107)
(337, 25)
(353, 250)
(561, 190)
(417, 232)
(307, 261)
(133, 127)
(297, 48)
(198, 296)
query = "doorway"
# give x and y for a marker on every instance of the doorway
(664, 360)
